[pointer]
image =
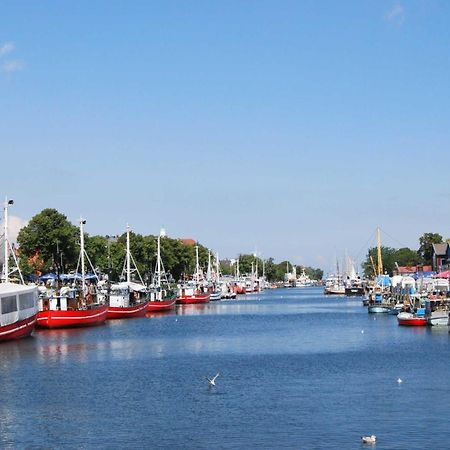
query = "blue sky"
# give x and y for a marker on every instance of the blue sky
(294, 128)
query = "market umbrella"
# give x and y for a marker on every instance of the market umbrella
(48, 276)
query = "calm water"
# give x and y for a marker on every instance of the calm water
(297, 370)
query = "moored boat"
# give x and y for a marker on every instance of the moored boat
(410, 319)
(193, 291)
(128, 299)
(18, 302)
(162, 298)
(438, 318)
(78, 306)
(379, 308)
(124, 301)
(18, 310)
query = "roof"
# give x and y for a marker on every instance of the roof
(440, 249)
(14, 288)
(188, 241)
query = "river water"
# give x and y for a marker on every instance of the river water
(297, 370)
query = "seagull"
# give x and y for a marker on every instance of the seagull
(399, 380)
(369, 439)
(212, 381)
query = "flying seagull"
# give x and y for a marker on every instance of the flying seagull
(212, 381)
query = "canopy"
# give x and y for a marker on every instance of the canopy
(383, 280)
(133, 286)
(445, 274)
(48, 276)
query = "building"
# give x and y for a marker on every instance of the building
(441, 257)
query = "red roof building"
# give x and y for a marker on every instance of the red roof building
(190, 242)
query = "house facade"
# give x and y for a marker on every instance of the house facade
(441, 257)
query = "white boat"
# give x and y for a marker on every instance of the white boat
(18, 302)
(438, 318)
(303, 280)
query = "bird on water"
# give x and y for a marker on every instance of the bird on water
(369, 439)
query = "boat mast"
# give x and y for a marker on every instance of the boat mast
(6, 241)
(158, 262)
(83, 281)
(197, 266)
(217, 267)
(128, 255)
(380, 261)
(208, 272)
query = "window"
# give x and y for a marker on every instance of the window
(26, 301)
(9, 304)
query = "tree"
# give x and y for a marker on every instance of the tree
(426, 242)
(387, 256)
(406, 257)
(47, 239)
(246, 261)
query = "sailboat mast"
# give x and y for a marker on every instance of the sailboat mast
(128, 255)
(158, 262)
(83, 270)
(380, 261)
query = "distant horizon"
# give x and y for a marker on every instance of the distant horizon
(288, 130)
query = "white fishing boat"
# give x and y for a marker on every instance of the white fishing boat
(18, 302)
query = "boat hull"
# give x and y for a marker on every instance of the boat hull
(18, 330)
(377, 309)
(215, 296)
(354, 291)
(193, 299)
(127, 312)
(72, 318)
(163, 305)
(410, 320)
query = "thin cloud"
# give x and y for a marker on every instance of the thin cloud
(12, 66)
(6, 48)
(396, 14)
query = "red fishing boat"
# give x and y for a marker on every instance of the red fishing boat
(72, 317)
(411, 320)
(73, 306)
(194, 291)
(127, 300)
(161, 305)
(189, 296)
(162, 298)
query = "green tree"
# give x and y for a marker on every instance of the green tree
(47, 239)
(387, 256)
(406, 257)
(246, 261)
(426, 242)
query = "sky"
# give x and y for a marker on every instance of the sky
(292, 129)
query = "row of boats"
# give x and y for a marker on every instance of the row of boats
(82, 299)
(421, 302)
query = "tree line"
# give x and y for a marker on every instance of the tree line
(51, 243)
